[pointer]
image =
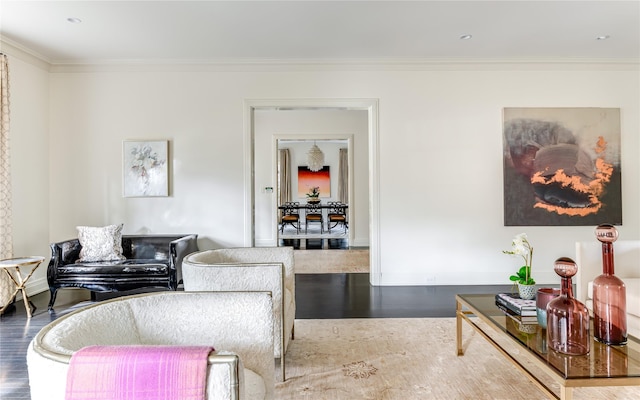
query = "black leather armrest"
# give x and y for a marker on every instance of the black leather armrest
(180, 248)
(62, 253)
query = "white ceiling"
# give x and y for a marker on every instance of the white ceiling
(217, 31)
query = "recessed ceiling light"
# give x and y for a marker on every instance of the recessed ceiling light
(603, 37)
(74, 20)
(466, 37)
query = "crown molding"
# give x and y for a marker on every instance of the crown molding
(17, 50)
(14, 49)
(346, 65)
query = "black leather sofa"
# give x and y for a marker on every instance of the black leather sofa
(152, 261)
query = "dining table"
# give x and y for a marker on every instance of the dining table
(323, 206)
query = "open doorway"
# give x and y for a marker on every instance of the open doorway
(260, 198)
(313, 200)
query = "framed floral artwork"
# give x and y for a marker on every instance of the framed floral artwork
(145, 168)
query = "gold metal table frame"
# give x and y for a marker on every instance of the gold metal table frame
(11, 267)
(603, 366)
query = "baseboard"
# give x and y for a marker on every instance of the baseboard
(35, 286)
(360, 243)
(265, 243)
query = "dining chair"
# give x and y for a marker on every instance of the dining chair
(313, 213)
(337, 215)
(290, 215)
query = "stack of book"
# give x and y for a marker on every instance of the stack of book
(522, 311)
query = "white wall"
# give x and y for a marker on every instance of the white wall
(440, 153)
(311, 124)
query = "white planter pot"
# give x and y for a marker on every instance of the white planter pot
(527, 292)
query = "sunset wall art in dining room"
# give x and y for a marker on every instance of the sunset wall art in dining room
(308, 179)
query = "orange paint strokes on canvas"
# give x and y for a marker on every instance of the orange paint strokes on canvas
(584, 211)
(601, 145)
(563, 179)
(605, 170)
(594, 188)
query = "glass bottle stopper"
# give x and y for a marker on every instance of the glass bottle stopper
(565, 267)
(606, 233)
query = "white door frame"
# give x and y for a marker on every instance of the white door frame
(371, 106)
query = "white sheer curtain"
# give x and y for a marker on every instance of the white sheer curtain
(343, 178)
(284, 165)
(6, 242)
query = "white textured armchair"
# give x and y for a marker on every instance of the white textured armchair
(238, 325)
(249, 268)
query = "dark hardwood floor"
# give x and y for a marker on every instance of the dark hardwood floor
(318, 296)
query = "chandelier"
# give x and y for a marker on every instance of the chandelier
(315, 158)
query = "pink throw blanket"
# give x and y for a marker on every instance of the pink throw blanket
(138, 373)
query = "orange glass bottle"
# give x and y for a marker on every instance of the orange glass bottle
(609, 294)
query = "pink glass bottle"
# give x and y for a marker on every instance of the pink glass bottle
(609, 294)
(567, 318)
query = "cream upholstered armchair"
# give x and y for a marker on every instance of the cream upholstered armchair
(239, 325)
(250, 268)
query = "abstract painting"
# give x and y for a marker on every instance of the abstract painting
(145, 168)
(307, 180)
(561, 166)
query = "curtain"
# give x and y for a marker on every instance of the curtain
(284, 172)
(343, 177)
(6, 242)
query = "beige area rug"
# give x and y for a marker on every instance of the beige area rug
(403, 359)
(331, 261)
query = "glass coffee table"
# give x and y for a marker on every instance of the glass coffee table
(603, 366)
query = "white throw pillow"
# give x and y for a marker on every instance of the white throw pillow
(100, 243)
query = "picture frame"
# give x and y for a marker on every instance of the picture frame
(308, 179)
(562, 166)
(145, 168)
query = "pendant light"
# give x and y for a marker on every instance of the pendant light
(315, 158)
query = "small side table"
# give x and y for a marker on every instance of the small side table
(14, 264)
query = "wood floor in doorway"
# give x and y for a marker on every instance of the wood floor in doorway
(331, 261)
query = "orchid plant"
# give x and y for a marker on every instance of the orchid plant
(314, 192)
(520, 246)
